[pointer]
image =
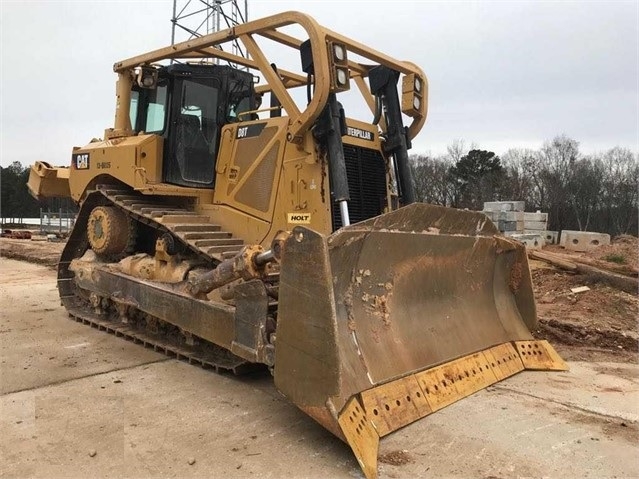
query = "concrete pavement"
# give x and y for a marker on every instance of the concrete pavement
(81, 403)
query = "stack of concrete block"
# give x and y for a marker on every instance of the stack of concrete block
(536, 221)
(510, 219)
(583, 240)
(537, 224)
(504, 206)
(508, 216)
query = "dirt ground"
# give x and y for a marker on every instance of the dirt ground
(621, 252)
(37, 250)
(598, 324)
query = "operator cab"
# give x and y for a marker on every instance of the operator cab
(188, 105)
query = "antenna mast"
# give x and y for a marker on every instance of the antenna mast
(195, 18)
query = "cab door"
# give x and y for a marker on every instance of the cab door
(194, 132)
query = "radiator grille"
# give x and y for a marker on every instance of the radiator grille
(366, 170)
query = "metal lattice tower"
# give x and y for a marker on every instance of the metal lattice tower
(195, 18)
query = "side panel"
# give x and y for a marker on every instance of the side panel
(249, 162)
(304, 197)
(135, 161)
(265, 184)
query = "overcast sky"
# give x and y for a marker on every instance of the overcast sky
(502, 74)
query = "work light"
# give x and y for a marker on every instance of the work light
(338, 59)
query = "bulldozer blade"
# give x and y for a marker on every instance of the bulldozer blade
(388, 320)
(383, 409)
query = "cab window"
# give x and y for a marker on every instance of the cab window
(156, 110)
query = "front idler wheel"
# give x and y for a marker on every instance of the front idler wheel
(109, 231)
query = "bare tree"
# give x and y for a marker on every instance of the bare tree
(597, 192)
(432, 184)
(457, 149)
(620, 178)
(584, 190)
(556, 160)
(521, 178)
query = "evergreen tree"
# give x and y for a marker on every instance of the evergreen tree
(476, 177)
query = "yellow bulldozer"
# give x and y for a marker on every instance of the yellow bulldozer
(233, 232)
